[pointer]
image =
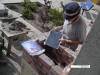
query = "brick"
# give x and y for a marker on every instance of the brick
(41, 63)
(62, 56)
(28, 58)
(44, 63)
(46, 60)
(55, 70)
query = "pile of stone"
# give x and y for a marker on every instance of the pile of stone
(17, 26)
(13, 27)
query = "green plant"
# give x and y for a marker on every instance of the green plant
(56, 17)
(27, 13)
(28, 8)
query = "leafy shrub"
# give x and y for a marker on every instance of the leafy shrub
(56, 17)
(28, 8)
(27, 13)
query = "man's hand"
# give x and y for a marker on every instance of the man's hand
(65, 42)
(62, 42)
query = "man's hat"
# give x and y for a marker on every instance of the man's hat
(72, 9)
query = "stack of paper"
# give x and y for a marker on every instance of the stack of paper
(32, 47)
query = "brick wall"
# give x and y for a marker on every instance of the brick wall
(45, 65)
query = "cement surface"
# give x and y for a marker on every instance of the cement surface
(90, 53)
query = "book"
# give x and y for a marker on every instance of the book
(32, 47)
(53, 39)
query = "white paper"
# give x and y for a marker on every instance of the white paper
(32, 47)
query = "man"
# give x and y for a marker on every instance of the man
(74, 28)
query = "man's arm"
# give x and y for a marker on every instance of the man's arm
(64, 42)
(73, 42)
